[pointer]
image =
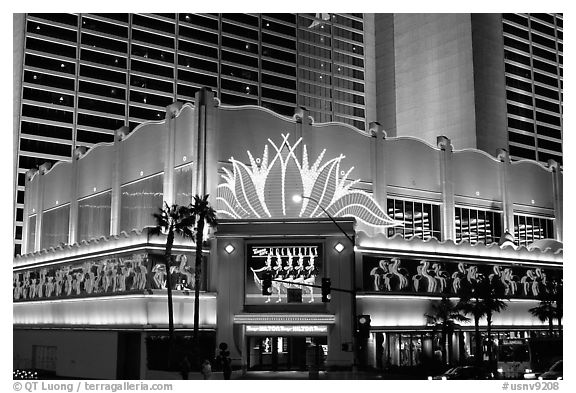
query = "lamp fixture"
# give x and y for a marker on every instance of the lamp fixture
(229, 248)
(339, 247)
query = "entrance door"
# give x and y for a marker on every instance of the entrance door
(278, 353)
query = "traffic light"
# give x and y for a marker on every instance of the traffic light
(326, 290)
(363, 323)
(267, 284)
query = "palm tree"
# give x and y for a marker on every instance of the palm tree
(445, 317)
(471, 303)
(550, 305)
(170, 221)
(493, 293)
(546, 309)
(558, 294)
(203, 214)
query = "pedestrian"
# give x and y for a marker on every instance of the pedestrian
(226, 367)
(206, 369)
(185, 367)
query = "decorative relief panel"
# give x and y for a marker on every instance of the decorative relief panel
(427, 276)
(115, 274)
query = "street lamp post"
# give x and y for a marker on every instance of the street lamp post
(298, 198)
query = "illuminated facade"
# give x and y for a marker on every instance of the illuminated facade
(423, 218)
(79, 77)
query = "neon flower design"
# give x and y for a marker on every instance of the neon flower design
(266, 187)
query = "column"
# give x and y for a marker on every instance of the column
(558, 187)
(172, 111)
(447, 183)
(507, 204)
(28, 198)
(206, 150)
(119, 135)
(43, 169)
(73, 220)
(302, 129)
(379, 183)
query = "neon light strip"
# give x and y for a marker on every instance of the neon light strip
(141, 178)
(433, 255)
(119, 297)
(416, 297)
(102, 254)
(94, 195)
(56, 207)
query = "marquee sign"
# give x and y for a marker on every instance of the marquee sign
(266, 188)
(287, 329)
(293, 264)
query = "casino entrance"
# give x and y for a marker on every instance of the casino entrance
(281, 353)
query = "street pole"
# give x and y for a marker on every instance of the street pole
(353, 291)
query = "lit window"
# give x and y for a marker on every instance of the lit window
(477, 226)
(528, 229)
(421, 220)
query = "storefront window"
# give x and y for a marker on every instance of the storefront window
(402, 349)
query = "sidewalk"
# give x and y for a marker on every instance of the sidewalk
(284, 375)
(323, 375)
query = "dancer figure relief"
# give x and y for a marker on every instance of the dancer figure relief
(458, 276)
(159, 277)
(49, 286)
(41, 286)
(267, 268)
(288, 271)
(310, 277)
(379, 273)
(527, 282)
(441, 277)
(417, 279)
(399, 273)
(426, 273)
(539, 281)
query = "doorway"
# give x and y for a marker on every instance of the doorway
(283, 353)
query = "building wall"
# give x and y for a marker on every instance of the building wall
(17, 61)
(434, 77)
(410, 168)
(489, 82)
(533, 57)
(96, 360)
(385, 72)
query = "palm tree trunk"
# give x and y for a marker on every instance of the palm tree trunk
(197, 275)
(443, 343)
(489, 331)
(450, 348)
(478, 339)
(551, 323)
(167, 262)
